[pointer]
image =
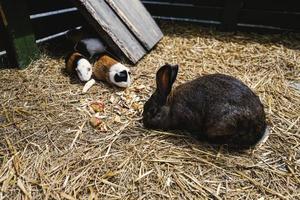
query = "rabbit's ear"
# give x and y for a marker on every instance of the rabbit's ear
(174, 72)
(165, 77)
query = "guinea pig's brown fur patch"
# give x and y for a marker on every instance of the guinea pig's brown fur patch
(101, 67)
(107, 61)
(71, 61)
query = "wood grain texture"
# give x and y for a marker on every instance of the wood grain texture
(138, 20)
(111, 28)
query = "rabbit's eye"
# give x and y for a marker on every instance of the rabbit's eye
(152, 110)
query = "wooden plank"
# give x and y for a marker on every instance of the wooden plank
(47, 26)
(262, 29)
(230, 15)
(2, 35)
(270, 18)
(198, 12)
(111, 29)
(271, 5)
(185, 11)
(139, 21)
(217, 3)
(21, 47)
(38, 6)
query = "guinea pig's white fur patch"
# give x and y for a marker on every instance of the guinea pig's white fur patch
(116, 68)
(84, 69)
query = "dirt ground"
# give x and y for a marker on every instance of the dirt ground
(48, 149)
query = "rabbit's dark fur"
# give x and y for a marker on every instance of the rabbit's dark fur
(217, 107)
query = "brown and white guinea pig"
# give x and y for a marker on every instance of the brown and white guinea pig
(108, 69)
(216, 107)
(77, 63)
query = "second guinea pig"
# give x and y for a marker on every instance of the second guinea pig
(108, 69)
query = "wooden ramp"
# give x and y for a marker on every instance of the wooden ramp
(126, 26)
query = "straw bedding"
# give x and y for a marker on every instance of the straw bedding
(48, 149)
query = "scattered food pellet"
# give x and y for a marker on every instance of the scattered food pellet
(97, 106)
(94, 121)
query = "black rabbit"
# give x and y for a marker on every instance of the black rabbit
(216, 107)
